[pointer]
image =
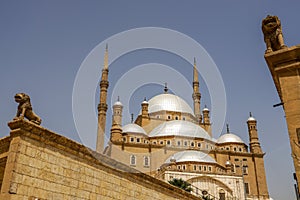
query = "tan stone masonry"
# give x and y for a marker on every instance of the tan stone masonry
(36, 163)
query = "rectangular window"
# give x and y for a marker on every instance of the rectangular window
(247, 189)
(146, 161)
(178, 143)
(131, 139)
(209, 168)
(161, 142)
(204, 168)
(138, 140)
(192, 144)
(132, 160)
(178, 167)
(195, 167)
(245, 169)
(183, 167)
(200, 168)
(236, 159)
(169, 142)
(185, 143)
(233, 168)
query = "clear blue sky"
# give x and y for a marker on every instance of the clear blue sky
(43, 43)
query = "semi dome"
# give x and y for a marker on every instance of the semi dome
(229, 138)
(169, 102)
(190, 156)
(133, 128)
(179, 128)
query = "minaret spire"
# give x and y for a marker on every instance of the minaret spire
(102, 106)
(227, 128)
(106, 57)
(196, 94)
(166, 88)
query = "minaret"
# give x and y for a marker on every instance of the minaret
(259, 187)
(102, 106)
(116, 128)
(145, 114)
(196, 94)
(206, 120)
(117, 112)
(253, 135)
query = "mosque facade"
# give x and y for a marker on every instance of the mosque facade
(169, 139)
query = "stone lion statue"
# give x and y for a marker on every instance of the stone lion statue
(271, 28)
(25, 109)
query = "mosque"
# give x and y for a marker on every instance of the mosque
(169, 139)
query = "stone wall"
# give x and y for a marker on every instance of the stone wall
(41, 165)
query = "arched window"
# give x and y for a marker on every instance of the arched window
(132, 160)
(222, 194)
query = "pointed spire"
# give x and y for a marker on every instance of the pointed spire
(166, 88)
(250, 114)
(106, 57)
(227, 128)
(131, 117)
(195, 71)
(118, 98)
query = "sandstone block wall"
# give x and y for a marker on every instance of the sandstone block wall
(39, 164)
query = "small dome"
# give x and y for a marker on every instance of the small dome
(205, 109)
(169, 102)
(145, 102)
(190, 156)
(118, 103)
(179, 128)
(133, 128)
(229, 138)
(251, 119)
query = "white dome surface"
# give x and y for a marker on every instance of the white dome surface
(251, 119)
(169, 102)
(118, 103)
(192, 156)
(133, 128)
(179, 128)
(229, 138)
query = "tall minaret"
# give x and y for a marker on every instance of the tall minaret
(102, 106)
(196, 93)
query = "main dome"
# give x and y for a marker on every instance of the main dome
(169, 102)
(179, 128)
(191, 156)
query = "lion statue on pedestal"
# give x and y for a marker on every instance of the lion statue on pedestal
(271, 27)
(25, 109)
